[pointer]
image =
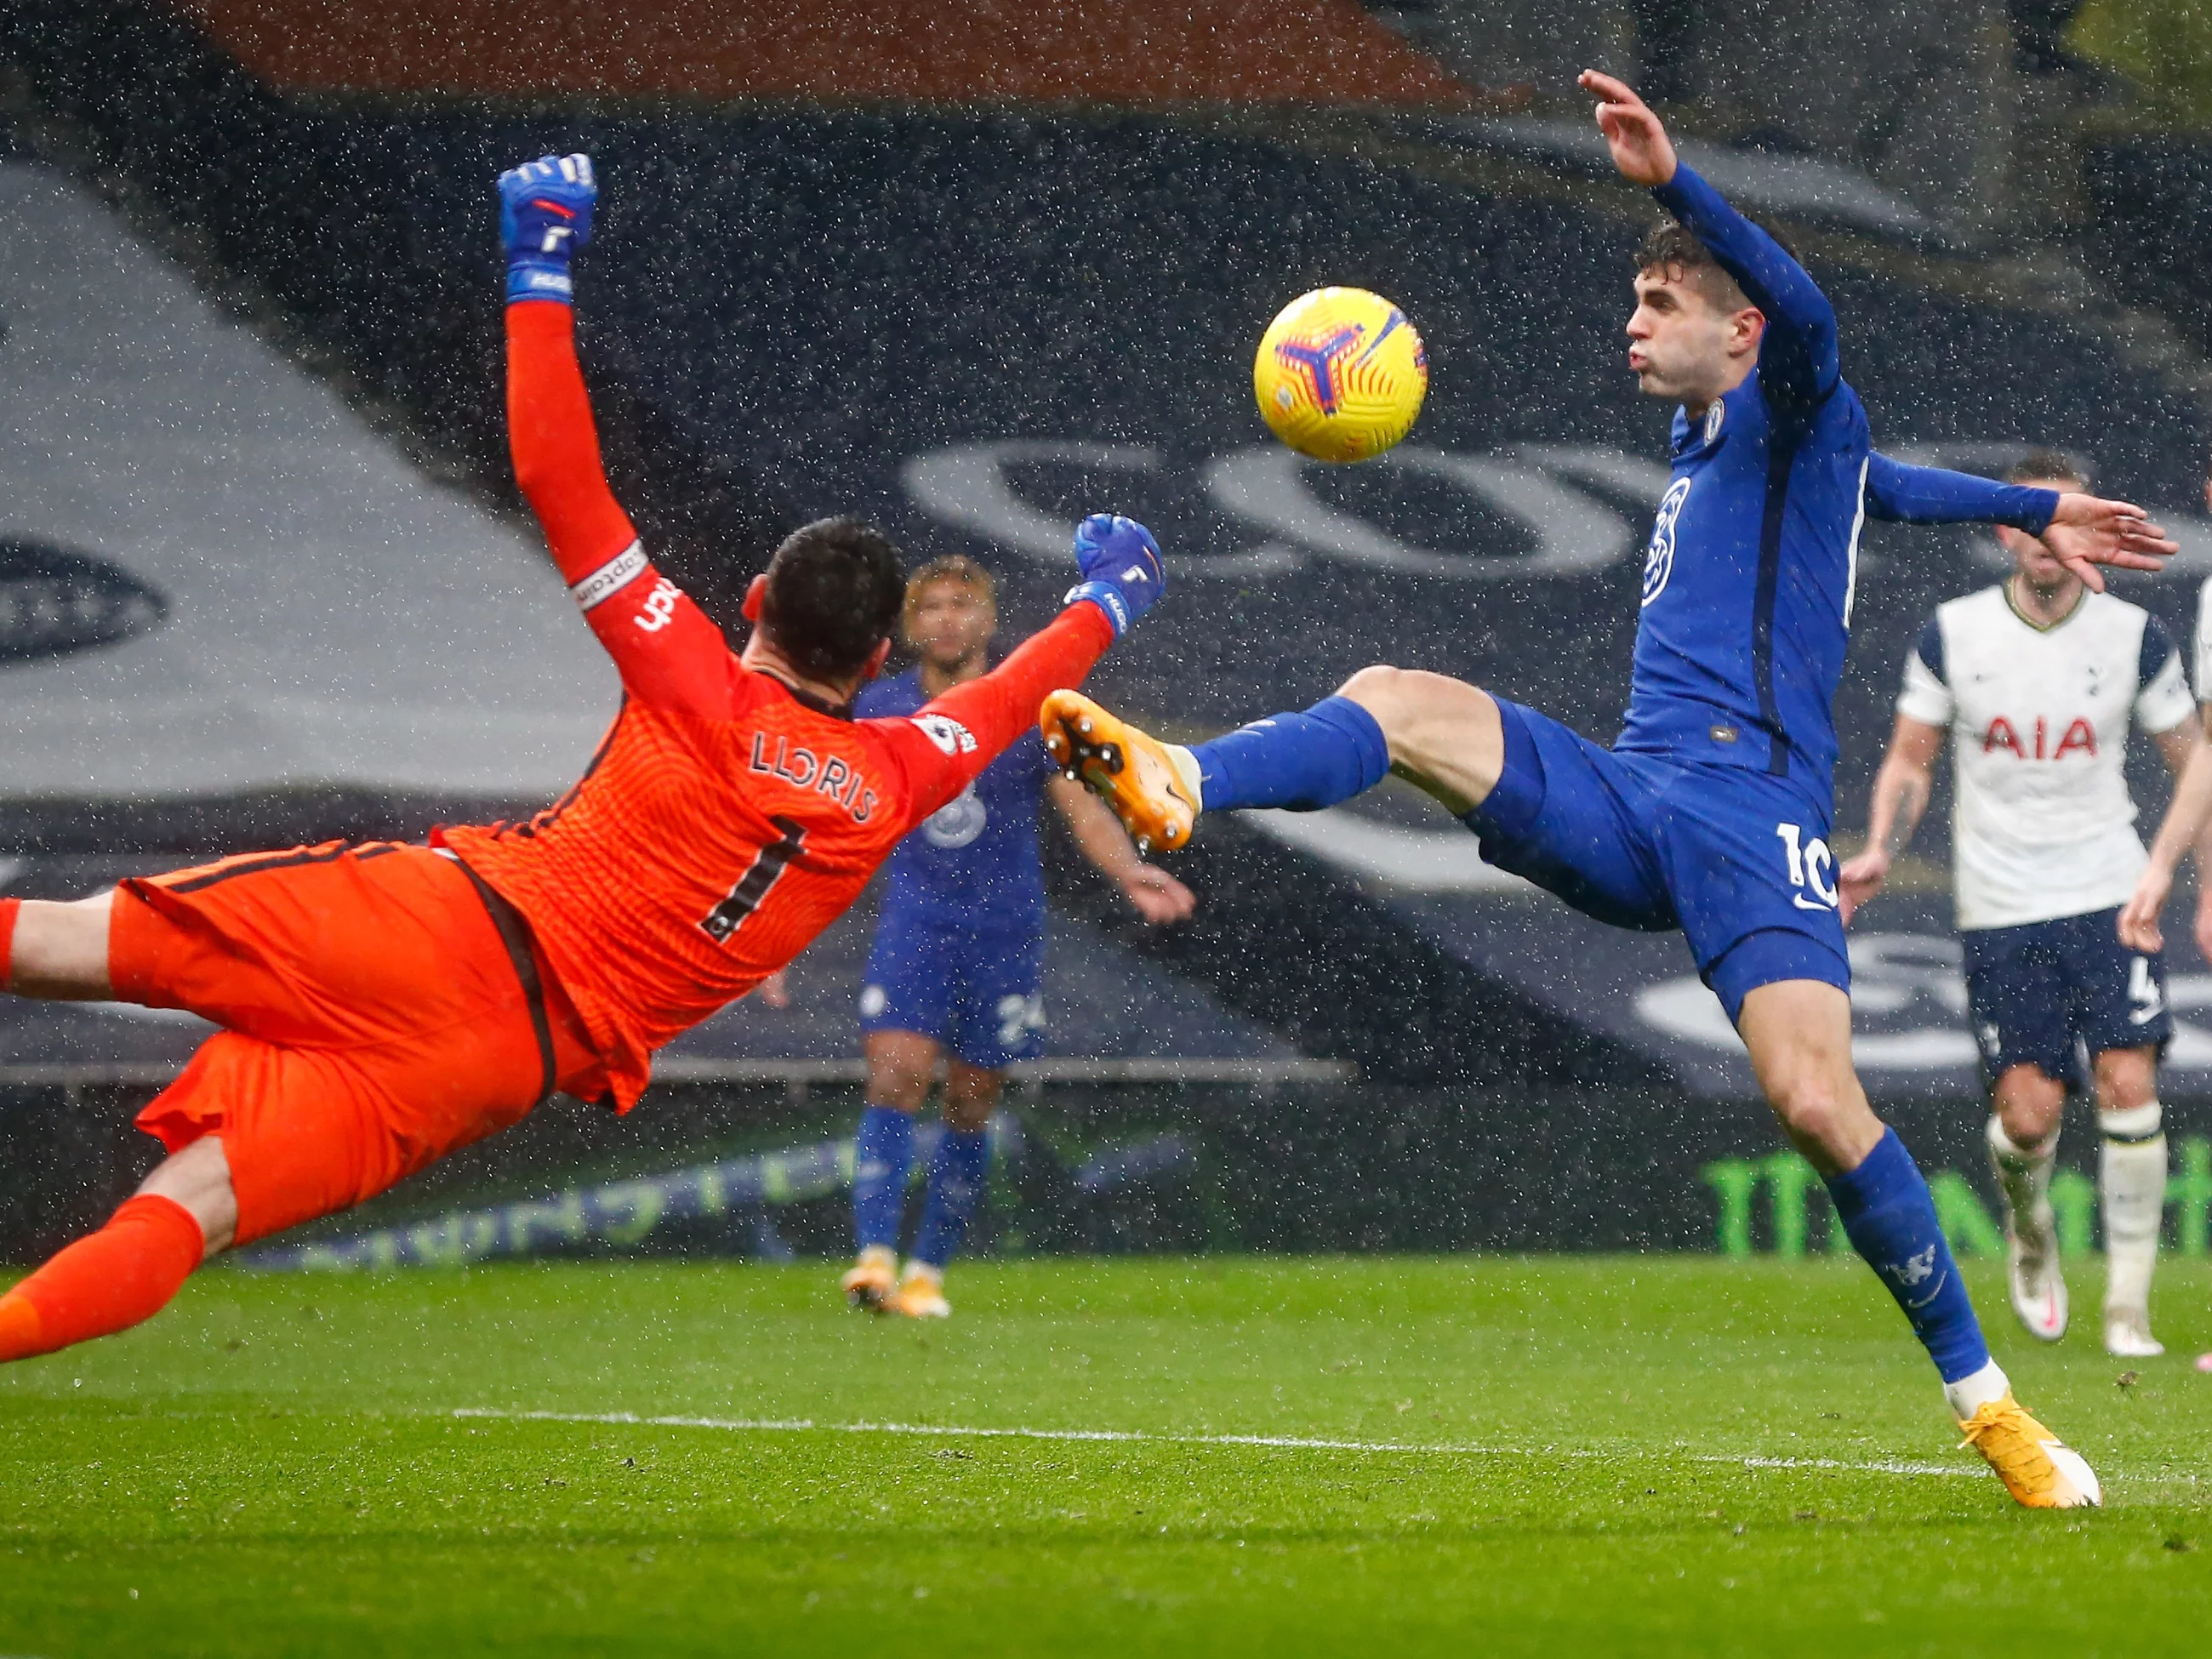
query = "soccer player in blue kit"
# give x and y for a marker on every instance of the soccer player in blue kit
(1712, 811)
(958, 962)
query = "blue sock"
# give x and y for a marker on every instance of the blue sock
(881, 1152)
(955, 1185)
(1332, 752)
(1890, 1217)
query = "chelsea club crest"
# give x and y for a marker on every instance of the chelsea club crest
(1659, 558)
(958, 822)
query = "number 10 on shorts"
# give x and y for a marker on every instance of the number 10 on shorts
(1812, 866)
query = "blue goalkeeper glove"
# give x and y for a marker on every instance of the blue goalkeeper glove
(1121, 570)
(544, 216)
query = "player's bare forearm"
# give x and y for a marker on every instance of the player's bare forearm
(1901, 789)
(2189, 815)
(1098, 833)
(1154, 894)
(1900, 797)
(2201, 852)
(2176, 744)
(2178, 748)
(1903, 785)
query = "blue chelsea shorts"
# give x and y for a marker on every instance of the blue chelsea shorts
(976, 987)
(2036, 991)
(1737, 859)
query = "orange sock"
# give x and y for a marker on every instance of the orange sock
(105, 1282)
(10, 909)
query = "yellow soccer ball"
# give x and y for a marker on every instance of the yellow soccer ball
(1341, 374)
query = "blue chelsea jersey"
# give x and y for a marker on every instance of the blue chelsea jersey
(977, 856)
(1747, 586)
(1748, 580)
(1754, 559)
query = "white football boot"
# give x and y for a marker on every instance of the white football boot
(2033, 1274)
(2127, 1334)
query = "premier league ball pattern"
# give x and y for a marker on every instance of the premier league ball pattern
(1341, 374)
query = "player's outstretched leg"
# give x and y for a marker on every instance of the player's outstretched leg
(883, 1152)
(2023, 1136)
(126, 1271)
(1442, 732)
(956, 1174)
(1798, 1032)
(130, 1270)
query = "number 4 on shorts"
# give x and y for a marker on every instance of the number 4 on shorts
(2142, 991)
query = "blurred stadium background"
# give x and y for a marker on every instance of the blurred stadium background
(972, 268)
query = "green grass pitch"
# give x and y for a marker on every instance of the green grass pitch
(1582, 1455)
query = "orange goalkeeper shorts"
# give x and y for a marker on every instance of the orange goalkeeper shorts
(381, 1008)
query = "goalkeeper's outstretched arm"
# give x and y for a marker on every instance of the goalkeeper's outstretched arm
(668, 651)
(945, 747)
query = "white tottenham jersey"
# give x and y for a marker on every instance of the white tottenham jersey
(2042, 826)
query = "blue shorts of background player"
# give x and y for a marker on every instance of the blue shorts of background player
(1737, 859)
(2043, 993)
(977, 987)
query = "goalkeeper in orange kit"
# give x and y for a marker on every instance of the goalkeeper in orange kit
(384, 1004)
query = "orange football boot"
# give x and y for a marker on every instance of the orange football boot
(1152, 786)
(921, 1294)
(2039, 1469)
(873, 1279)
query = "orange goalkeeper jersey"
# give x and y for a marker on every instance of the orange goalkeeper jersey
(726, 819)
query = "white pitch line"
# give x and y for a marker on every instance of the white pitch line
(1293, 1442)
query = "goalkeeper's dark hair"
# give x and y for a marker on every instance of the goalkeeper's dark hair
(834, 591)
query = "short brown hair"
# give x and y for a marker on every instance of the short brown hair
(1674, 248)
(945, 568)
(2048, 467)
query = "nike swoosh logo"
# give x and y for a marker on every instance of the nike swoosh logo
(2144, 1016)
(1914, 1307)
(1388, 328)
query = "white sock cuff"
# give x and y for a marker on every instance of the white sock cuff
(1970, 1393)
(2134, 1124)
(2011, 1152)
(1186, 768)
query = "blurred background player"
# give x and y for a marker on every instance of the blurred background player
(1710, 813)
(958, 962)
(2188, 823)
(385, 1003)
(2035, 680)
(2202, 658)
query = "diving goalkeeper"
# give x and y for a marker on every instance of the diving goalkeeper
(384, 1004)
